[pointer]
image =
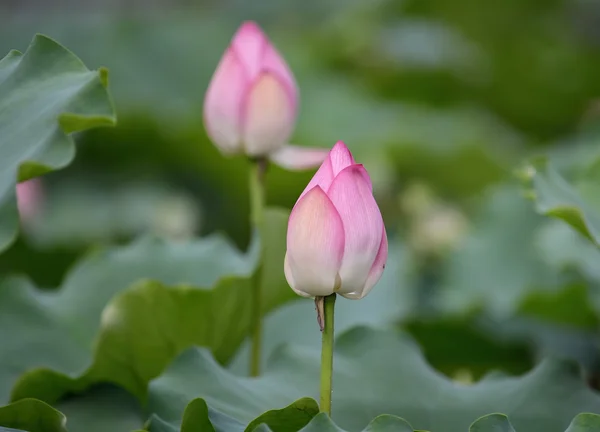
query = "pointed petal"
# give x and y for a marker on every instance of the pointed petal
(222, 104)
(249, 43)
(299, 158)
(340, 157)
(351, 195)
(315, 244)
(375, 272)
(268, 116)
(322, 178)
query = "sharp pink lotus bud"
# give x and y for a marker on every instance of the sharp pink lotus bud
(251, 102)
(336, 239)
(29, 199)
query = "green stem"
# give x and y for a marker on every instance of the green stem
(327, 354)
(257, 205)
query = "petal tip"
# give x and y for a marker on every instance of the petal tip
(249, 28)
(360, 172)
(340, 157)
(341, 146)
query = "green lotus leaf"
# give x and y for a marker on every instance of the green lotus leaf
(555, 197)
(585, 422)
(95, 329)
(492, 423)
(46, 94)
(375, 372)
(31, 415)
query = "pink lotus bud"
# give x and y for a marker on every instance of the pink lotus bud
(336, 240)
(29, 198)
(251, 102)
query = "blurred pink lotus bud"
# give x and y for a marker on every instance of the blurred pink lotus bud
(29, 198)
(251, 103)
(336, 239)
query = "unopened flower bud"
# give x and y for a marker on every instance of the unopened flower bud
(251, 103)
(336, 240)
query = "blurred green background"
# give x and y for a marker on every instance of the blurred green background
(440, 100)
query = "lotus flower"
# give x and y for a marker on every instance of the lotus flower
(251, 103)
(336, 239)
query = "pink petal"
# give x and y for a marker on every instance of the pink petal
(376, 270)
(299, 158)
(223, 102)
(322, 178)
(315, 245)
(274, 63)
(287, 270)
(340, 157)
(352, 197)
(367, 177)
(249, 43)
(268, 116)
